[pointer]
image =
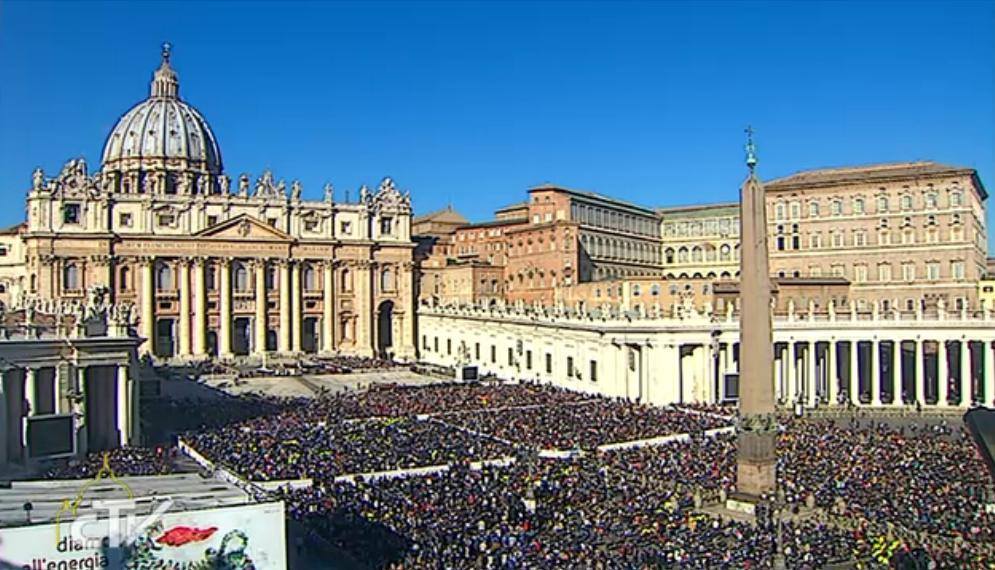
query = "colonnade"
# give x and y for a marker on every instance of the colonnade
(100, 402)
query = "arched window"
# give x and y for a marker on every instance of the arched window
(906, 202)
(696, 254)
(956, 199)
(270, 278)
(858, 206)
(387, 280)
(164, 278)
(779, 211)
(813, 209)
(241, 276)
(210, 277)
(682, 255)
(70, 277)
(655, 290)
(310, 278)
(931, 199)
(882, 203)
(346, 280)
(796, 210)
(636, 290)
(124, 279)
(724, 252)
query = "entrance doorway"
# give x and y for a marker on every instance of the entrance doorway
(164, 344)
(100, 388)
(385, 328)
(243, 333)
(309, 336)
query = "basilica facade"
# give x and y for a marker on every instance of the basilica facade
(217, 267)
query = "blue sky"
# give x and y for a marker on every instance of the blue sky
(471, 103)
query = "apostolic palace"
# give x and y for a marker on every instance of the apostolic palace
(883, 291)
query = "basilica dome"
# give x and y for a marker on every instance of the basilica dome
(162, 132)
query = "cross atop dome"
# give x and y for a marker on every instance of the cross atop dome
(165, 84)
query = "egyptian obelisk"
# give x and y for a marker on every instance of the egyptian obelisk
(756, 460)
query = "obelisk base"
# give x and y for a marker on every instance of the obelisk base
(756, 468)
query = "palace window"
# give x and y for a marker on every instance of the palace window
(387, 280)
(882, 203)
(312, 225)
(212, 221)
(779, 211)
(931, 199)
(570, 367)
(813, 209)
(124, 279)
(957, 270)
(836, 207)
(860, 273)
(549, 363)
(166, 220)
(884, 272)
(346, 279)
(906, 202)
(933, 271)
(594, 371)
(310, 278)
(386, 225)
(796, 210)
(858, 206)
(908, 272)
(956, 199)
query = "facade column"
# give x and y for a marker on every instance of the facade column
(896, 373)
(148, 305)
(295, 304)
(942, 374)
(123, 405)
(989, 356)
(57, 389)
(854, 373)
(920, 372)
(259, 346)
(184, 307)
(224, 312)
(364, 301)
(780, 393)
(284, 306)
(327, 306)
(832, 378)
(200, 308)
(31, 390)
(965, 373)
(875, 373)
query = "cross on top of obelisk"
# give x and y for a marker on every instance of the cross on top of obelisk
(751, 149)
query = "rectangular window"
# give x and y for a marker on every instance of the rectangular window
(424, 341)
(166, 220)
(124, 220)
(549, 363)
(493, 354)
(3, 251)
(956, 269)
(528, 360)
(386, 226)
(859, 239)
(449, 346)
(476, 351)
(933, 271)
(838, 271)
(436, 344)
(212, 221)
(70, 213)
(860, 273)
(884, 272)
(570, 367)
(511, 357)
(311, 225)
(838, 239)
(594, 371)
(346, 228)
(908, 272)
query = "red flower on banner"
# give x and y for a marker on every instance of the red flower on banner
(180, 535)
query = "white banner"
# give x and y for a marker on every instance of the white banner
(227, 537)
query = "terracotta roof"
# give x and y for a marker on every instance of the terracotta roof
(700, 210)
(866, 173)
(593, 196)
(447, 215)
(515, 206)
(14, 230)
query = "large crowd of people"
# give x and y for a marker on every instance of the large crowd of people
(123, 461)
(856, 490)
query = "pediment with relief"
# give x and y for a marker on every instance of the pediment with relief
(243, 227)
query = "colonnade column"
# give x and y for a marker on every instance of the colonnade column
(327, 305)
(364, 316)
(259, 346)
(942, 373)
(896, 373)
(854, 374)
(123, 408)
(792, 373)
(30, 390)
(811, 384)
(875, 373)
(965, 373)
(989, 356)
(284, 306)
(295, 303)
(920, 372)
(184, 307)
(224, 313)
(148, 304)
(832, 378)
(200, 308)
